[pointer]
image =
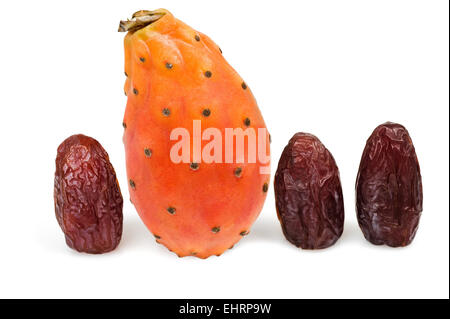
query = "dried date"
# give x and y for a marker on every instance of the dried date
(389, 187)
(308, 194)
(88, 201)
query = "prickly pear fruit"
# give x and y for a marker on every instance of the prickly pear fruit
(175, 76)
(88, 202)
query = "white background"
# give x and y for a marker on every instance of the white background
(336, 69)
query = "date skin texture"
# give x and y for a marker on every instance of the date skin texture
(308, 194)
(88, 202)
(389, 187)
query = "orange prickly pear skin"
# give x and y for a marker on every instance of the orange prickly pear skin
(176, 75)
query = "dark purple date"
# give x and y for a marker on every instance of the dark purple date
(88, 202)
(308, 194)
(389, 187)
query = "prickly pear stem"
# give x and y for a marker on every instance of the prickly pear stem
(140, 20)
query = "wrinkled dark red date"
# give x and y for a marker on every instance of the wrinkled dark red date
(88, 202)
(389, 187)
(308, 194)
